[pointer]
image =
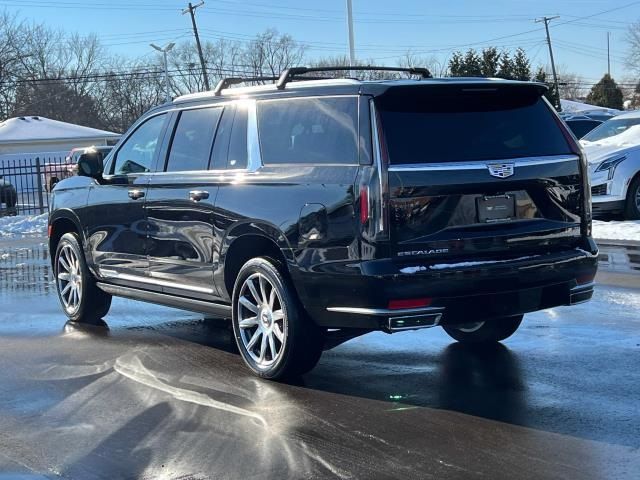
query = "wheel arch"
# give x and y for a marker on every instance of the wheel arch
(248, 240)
(61, 222)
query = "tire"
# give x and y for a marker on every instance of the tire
(632, 205)
(260, 327)
(487, 331)
(81, 300)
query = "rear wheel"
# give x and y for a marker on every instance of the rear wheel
(81, 299)
(632, 206)
(486, 331)
(274, 335)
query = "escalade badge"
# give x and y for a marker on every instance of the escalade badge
(501, 170)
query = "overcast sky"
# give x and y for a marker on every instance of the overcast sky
(384, 29)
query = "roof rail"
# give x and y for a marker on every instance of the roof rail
(289, 74)
(227, 82)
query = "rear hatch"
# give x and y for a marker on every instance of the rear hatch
(477, 172)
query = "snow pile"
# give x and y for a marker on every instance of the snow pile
(629, 230)
(23, 225)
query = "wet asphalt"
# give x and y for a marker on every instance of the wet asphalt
(157, 393)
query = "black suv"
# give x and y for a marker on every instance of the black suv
(311, 211)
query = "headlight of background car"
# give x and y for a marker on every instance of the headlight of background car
(610, 164)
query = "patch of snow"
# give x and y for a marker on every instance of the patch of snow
(444, 266)
(23, 225)
(628, 230)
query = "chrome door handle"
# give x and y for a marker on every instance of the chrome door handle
(197, 195)
(136, 194)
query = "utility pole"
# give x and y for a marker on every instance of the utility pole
(164, 52)
(191, 9)
(608, 54)
(546, 21)
(352, 48)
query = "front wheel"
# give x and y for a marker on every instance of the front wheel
(632, 206)
(274, 335)
(486, 331)
(80, 297)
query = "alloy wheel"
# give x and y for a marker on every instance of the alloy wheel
(261, 320)
(638, 198)
(69, 277)
(470, 327)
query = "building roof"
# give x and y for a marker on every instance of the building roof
(41, 129)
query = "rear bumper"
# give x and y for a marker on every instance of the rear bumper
(458, 294)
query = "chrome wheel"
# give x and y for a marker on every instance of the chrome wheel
(261, 320)
(69, 277)
(470, 327)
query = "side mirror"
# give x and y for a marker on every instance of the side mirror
(90, 165)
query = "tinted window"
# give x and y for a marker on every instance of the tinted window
(464, 124)
(192, 139)
(309, 130)
(137, 153)
(221, 145)
(611, 128)
(238, 143)
(581, 127)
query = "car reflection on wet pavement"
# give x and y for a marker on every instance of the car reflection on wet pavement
(160, 393)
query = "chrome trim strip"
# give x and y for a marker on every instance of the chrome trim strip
(383, 312)
(377, 158)
(482, 164)
(105, 273)
(586, 286)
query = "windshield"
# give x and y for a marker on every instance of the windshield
(611, 128)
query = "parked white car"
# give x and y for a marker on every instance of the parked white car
(613, 152)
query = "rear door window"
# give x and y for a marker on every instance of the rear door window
(435, 125)
(319, 130)
(193, 139)
(238, 153)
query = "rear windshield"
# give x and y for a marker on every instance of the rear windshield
(457, 125)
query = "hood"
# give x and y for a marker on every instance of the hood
(625, 142)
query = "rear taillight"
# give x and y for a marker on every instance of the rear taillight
(574, 145)
(365, 212)
(586, 278)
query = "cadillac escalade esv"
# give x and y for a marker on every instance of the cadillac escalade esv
(312, 210)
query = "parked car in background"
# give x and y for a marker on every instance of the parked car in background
(313, 211)
(613, 153)
(8, 198)
(54, 172)
(580, 126)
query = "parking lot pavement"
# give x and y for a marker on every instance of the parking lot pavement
(160, 393)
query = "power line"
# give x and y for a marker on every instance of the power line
(546, 21)
(191, 9)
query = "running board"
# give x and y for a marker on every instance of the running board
(200, 306)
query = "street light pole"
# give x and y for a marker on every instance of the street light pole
(164, 52)
(352, 48)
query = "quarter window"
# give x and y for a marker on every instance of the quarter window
(193, 139)
(138, 152)
(309, 130)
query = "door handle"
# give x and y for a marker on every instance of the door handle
(197, 195)
(136, 194)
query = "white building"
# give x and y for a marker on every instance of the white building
(24, 137)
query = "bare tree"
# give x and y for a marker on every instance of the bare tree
(271, 52)
(633, 39)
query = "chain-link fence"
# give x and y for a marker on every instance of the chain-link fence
(26, 183)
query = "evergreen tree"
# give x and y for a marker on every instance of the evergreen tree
(472, 64)
(606, 93)
(550, 94)
(490, 61)
(521, 66)
(506, 66)
(455, 64)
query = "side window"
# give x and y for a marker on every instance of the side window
(137, 153)
(221, 145)
(238, 144)
(309, 130)
(192, 139)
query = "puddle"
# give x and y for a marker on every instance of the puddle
(619, 258)
(25, 269)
